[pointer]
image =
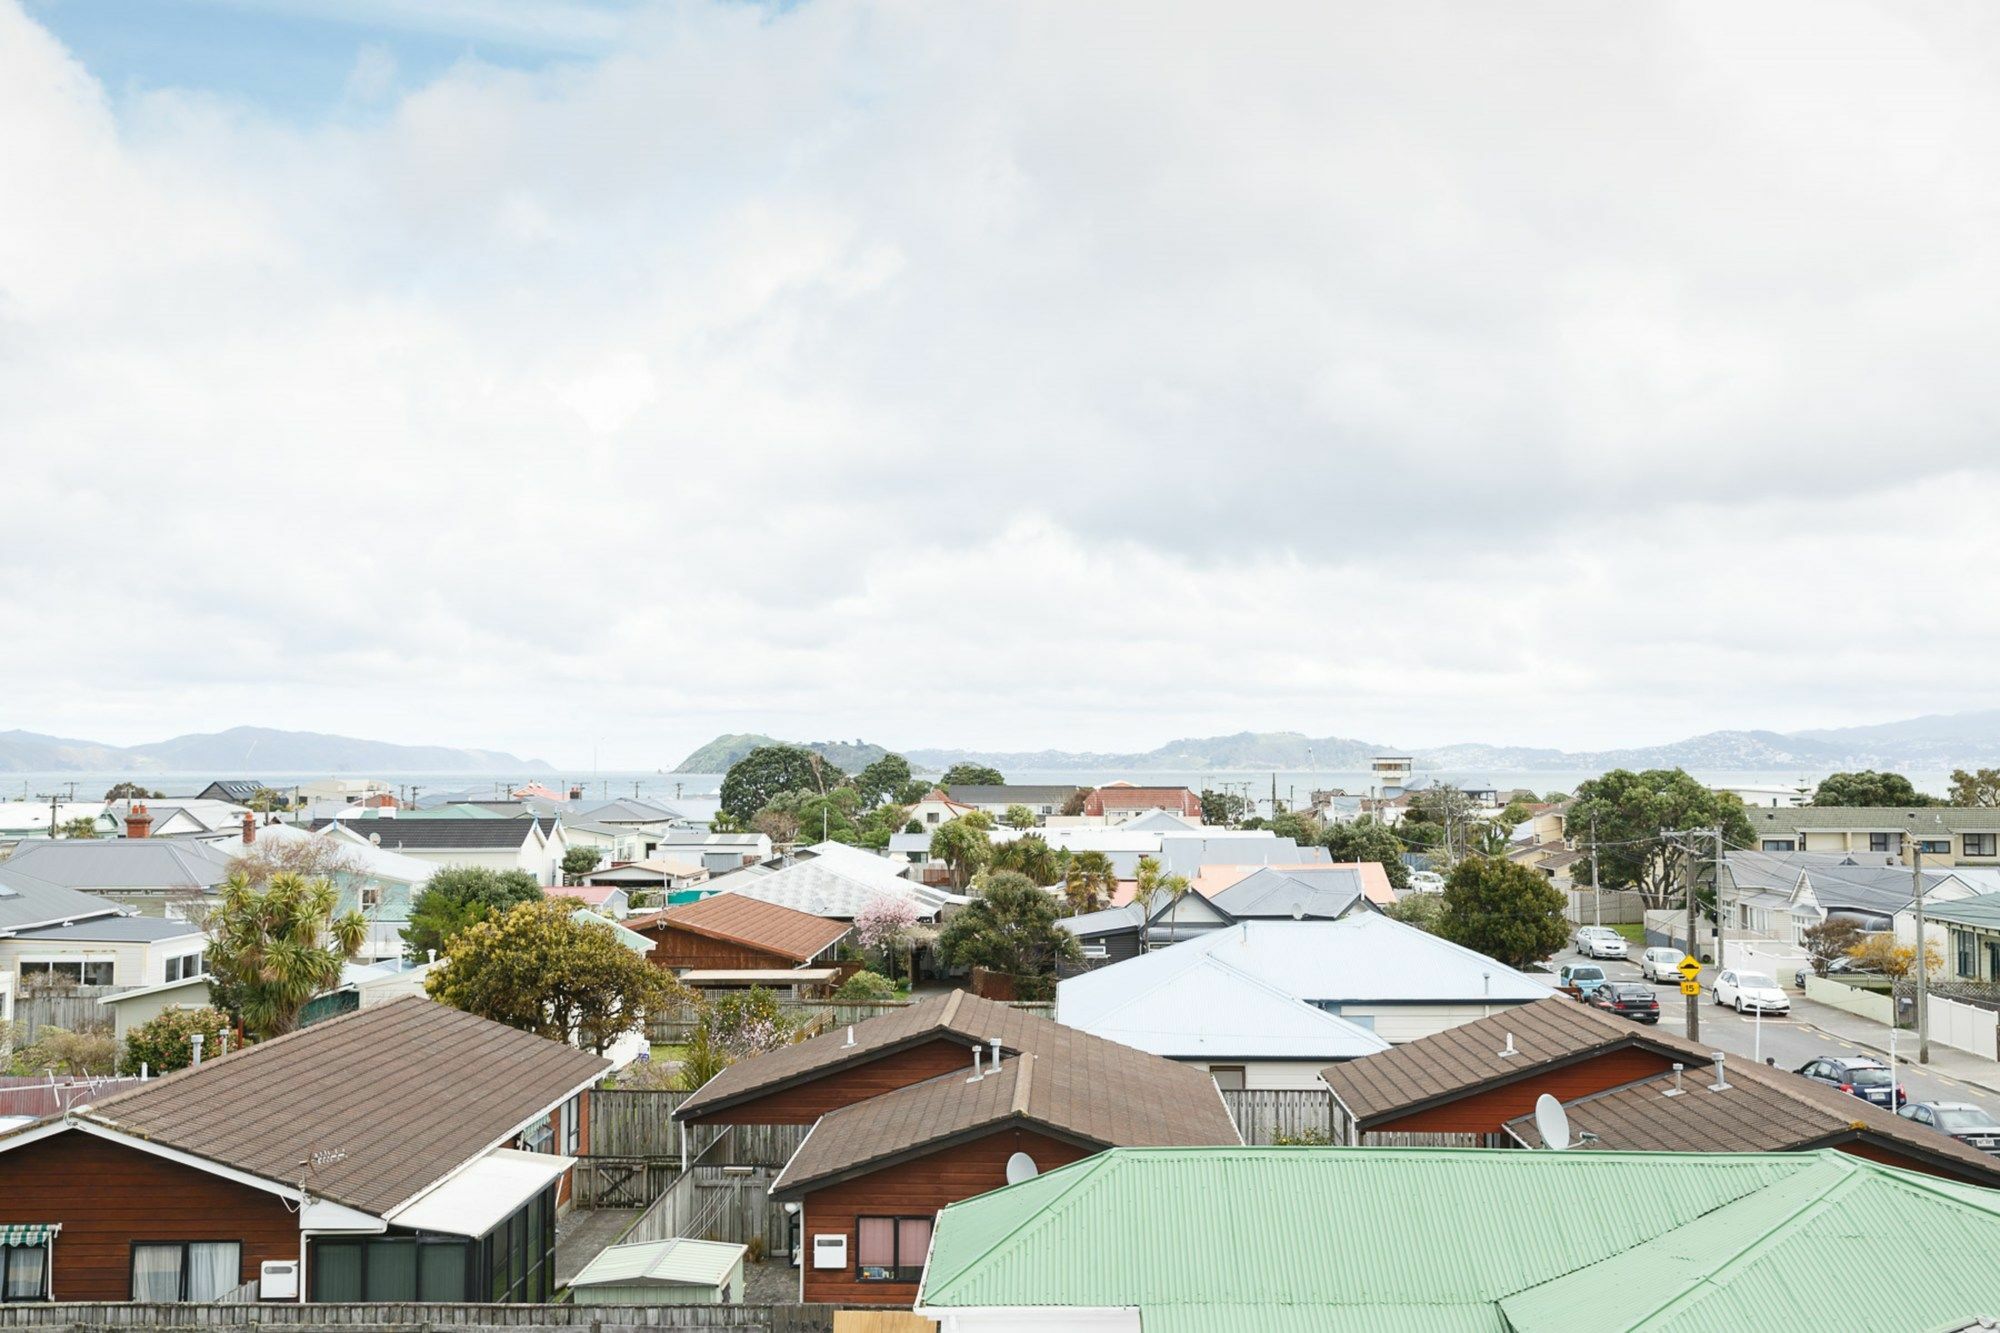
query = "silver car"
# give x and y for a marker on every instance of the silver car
(1661, 964)
(1600, 942)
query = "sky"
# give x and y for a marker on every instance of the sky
(567, 375)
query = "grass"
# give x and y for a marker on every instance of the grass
(676, 1052)
(1633, 931)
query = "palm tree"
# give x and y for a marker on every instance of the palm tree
(274, 948)
(1148, 882)
(1089, 880)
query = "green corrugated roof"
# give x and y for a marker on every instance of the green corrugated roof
(1980, 910)
(1384, 1238)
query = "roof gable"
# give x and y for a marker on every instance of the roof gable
(740, 919)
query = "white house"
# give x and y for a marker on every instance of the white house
(532, 843)
(345, 791)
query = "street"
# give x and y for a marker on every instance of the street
(1787, 1042)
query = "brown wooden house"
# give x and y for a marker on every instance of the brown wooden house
(404, 1151)
(927, 1106)
(734, 934)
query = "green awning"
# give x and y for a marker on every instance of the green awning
(27, 1233)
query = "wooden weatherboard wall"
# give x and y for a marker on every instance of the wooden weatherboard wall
(684, 949)
(1486, 1111)
(808, 1101)
(107, 1196)
(916, 1188)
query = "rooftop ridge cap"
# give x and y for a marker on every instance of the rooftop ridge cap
(1024, 1074)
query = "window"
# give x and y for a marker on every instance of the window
(518, 1256)
(1978, 844)
(1780, 844)
(1934, 846)
(571, 1135)
(186, 966)
(398, 1268)
(198, 1270)
(891, 1249)
(539, 1137)
(1885, 842)
(1961, 944)
(371, 897)
(24, 1262)
(1229, 1078)
(83, 972)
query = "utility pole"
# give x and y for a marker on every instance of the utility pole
(1923, 972)
(1694, 950)
(1596, 891)
(1721, 958)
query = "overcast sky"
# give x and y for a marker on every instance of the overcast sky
(543, 376)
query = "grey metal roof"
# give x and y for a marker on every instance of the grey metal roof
(117, 929)
(1110, 921)
(1186, 854)
(26, 902)
(1838, 883)
(105, 864)
(1326, 894)
(1012, 794)
(1876, 819)
(442, 834)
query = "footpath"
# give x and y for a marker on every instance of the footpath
(1873, 1036)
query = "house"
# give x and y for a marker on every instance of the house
(1779, 896)
(734, 933)
(1163, 821)
(1209, 1240)
(189, 818)
(105, 950)
(403, 1152)
(677, 1271)
(1972, 931)
(609, 901)
(836, 881)
(654, 881)
(382, 885)
(232, 791)
(998, 799)
(937, 807)
(1131, 928)
(716, 853)
(157, 877)
(143, 1004)
(932, 1104)
(1324, 893)
(344, 791)
(1713, 1106)
(23, 820)
(1214, 877)
(1394, 980)
(1947, 835)
(1117, 802)
(532, 844)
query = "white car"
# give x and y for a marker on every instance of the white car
(1747, 991)
(1600, 942)
(1661, 964)
(1426, 881)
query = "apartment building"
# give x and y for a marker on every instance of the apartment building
(1947, 836)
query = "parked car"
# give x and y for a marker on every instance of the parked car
(1426, 881)
(1627, 999)
(1748, 991)
(1599, 942)
(1834, 967)
(1969, 1124)
(1661, 964)
(1867, 1079)
(1579, 979)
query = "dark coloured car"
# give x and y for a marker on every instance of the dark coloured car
(1627, 999)
(1870, 1080)
(1969, 1124)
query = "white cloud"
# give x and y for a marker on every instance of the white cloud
(1023, 375)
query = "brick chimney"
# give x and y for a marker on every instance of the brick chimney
(249, 827)
(137, 822)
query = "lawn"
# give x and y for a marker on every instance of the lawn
(669, 1053)
(1634, 933)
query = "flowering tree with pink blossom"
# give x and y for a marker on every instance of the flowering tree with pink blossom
(883, 925)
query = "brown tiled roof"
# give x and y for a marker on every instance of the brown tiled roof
(409, 1091)
(1547, 1034)
(1762, 1110)
(1076, 1086)
(741, 919)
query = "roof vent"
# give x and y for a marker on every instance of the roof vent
(996, 1055)
(1508, 1049)
(1675, 1090)
(1721, 1083)
(978, 1064)
(850, 1034)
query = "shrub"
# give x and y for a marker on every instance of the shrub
(164, 1043)
(865, 987)
(66, 1052)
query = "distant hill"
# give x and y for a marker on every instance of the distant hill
(249, 750)
(1933, 742)
(721, 753)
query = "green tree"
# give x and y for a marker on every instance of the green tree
(882, 779)
(769, 769)
(580, 861)
(1631, 808)
(1835, 937)
(1146, 882)
(455, 898)
(909, 793)
(1223, 807)
(132, 791)
(83, 826)
(93, 1051)
(1366, 840)
(265, 800)
(1517, 813)
(1011, 927)
(165, 1042)
(1869, 788)
(1077, 801)
(865, 987)
(1018, 816)
(1028, 855)
(878, 824)
(1505, 911)
(963, 846)
(271, 949)
(1422, 910)
(1979, 788)
(830, 817)
(1439, 818)
(971, 775)
(542, 970)
(1089, 881)
(1300, 827)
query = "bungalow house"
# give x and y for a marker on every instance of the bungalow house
(607, 900)
(937, 808)
(234, 791)
(717, 853)
(949, 1098)
(1213, 1240)
(1780, 896)
(1972, 930)
(997, 800)
(532, 843)
(1380, 975)
(1116, 802)
(1131, 928)
(732, 939)
(153, 876)
(1323, 893)
(403, 1152)
(1214, 877)
(181, 818)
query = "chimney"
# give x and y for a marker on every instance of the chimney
(575, 792)
(249, 828)
(137, 822)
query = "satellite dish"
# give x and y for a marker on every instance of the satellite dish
(1551, 1122)
(1021, 1167)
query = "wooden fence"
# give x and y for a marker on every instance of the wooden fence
(731, 1203)
(1265, 1115)
(73, 1011)
(633, 1124)
(420, 1318)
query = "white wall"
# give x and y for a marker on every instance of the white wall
(1272, 1075)
(1397, 1023)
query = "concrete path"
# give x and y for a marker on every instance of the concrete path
(583, 1233)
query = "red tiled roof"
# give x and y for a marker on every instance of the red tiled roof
(741, 919)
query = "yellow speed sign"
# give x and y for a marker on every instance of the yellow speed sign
(1690, 988)
(1689, 968)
